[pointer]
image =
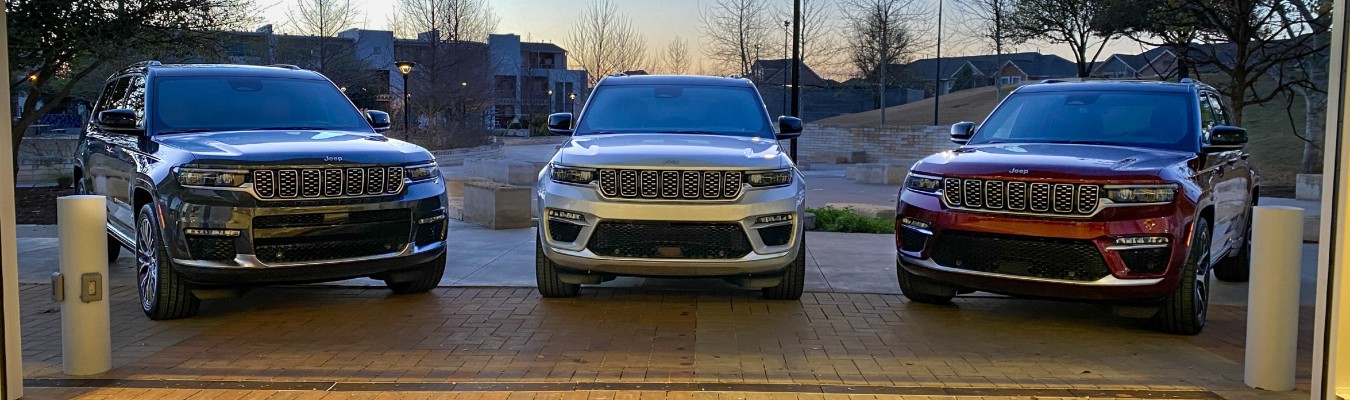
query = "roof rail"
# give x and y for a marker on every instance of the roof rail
(1053, 81)
(286, 66)
(619, 74)
(734, 76)
(147, 63)
(1187, 80)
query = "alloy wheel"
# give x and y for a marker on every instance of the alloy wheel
(147, 264)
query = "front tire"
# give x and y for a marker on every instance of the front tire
(1184, 311)
(794, 279)
(923, 290)
(164, 294)
(546, 275)
(421, 278)
(1237, 268)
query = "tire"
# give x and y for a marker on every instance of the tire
(424, 277)
(164, 294)
(546, 274)
(1183, 312)
(922, 290)
(114, 249)
(1237, 268)
(794, 279)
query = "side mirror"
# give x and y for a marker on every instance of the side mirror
(378, 120)
(560, 124)
(119, 120)
(789, 127)
(1224, 137)
(962, 131)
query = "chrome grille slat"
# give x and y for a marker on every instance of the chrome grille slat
(374, 180)
(355, 181)
(394, 181)
(1006, 196)
(993, 194)
(668, 184)
(332, 182)
(265, 183)
(1017, 196)
(288, 183)
(311, 183)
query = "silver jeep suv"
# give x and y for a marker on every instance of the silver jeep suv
(672, 176)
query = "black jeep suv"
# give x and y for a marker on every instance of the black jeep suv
(226, 176)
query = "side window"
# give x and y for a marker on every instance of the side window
(1220, 114)
(135, 98)
(1206, 113)
(112, 93)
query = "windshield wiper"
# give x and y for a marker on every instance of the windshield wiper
(194, 130)
(289, 128)
(692, 132)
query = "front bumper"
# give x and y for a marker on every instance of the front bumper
(927, 232)
(312, 251)
(744, 212)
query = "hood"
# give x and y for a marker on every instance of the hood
(294, 147)
(1057, 161)
(672, 151)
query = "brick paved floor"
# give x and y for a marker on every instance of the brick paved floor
(471, 337)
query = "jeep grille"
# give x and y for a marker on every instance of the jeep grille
(1021, 197)
(295, 183)
(684, 185)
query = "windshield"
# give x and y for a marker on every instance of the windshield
(717, 110)
(216, 103)
(1142, 119)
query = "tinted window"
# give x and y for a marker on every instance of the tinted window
(251, 103)
(112, 95)
(1146, 119)
(135, 99)
(669, 108)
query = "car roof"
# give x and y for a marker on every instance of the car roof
(277, 71)
(1117, 86)
(681, 80)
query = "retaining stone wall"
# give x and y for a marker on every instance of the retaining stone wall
(889, 144)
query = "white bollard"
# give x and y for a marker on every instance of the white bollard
(1272, 297)
(86, 338)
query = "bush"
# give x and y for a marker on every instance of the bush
(836, 220)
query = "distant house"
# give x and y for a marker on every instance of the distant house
(956, 73)
(1153, 64)
(779, 73)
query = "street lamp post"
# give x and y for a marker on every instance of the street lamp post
(787, 37)
(550, 101)
(405, 68)
(571, 102)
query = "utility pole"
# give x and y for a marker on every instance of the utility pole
(796, 69)
(937, 76)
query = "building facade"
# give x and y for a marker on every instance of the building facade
(530, 81)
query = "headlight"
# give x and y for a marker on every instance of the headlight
(923, 184)
(418, 173)
(1142, 193)
(769, 178)
(580, 176)
(199, 177)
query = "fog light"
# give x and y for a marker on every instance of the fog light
(769, 219)
(431, 219)
(915, 223)
(1142, 240)
(568, 215)
(211, 232)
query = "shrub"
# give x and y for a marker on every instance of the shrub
(830, 219)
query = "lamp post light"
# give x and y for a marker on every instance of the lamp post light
(572, 101)
(405, 68)
(550, 100)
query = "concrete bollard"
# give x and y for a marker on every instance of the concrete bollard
(1272, 297)
(86, 339)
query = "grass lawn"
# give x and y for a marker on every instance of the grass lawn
(1276, 151)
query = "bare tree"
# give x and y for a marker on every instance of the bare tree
(990, 21)
(322, 17)
(451, 20)
(821, 48)
(675, 57)
(55, 45)
(1080, 24)
(735, 31)
(604, 41)
(1308, 24)
(879, 35)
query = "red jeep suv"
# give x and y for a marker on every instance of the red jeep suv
(1129, 193)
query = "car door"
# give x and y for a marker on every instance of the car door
(126, 157)
(100, 169)
(1230, 185)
